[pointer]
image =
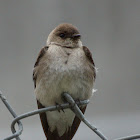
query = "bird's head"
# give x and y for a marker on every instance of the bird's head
(65, 35)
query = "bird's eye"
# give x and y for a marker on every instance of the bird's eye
(62, 35)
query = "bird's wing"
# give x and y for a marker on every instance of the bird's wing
(71, 132)
(43, 117)
(89, 57)
(40, 55)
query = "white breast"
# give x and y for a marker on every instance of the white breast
(63, 73)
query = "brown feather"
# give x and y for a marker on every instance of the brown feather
(54, 135)
(43, 119)
(40, 55)
(89, 57)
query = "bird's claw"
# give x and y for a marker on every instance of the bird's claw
(59, 107)
(77, 101)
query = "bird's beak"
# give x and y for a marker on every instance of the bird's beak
(75, 36)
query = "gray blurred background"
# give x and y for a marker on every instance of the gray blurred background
(111, 29)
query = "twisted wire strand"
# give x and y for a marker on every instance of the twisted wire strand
(74, 106)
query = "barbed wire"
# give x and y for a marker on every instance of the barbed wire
(73, 105)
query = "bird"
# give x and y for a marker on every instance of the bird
(63, 65)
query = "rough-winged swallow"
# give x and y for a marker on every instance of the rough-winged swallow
(63, 65)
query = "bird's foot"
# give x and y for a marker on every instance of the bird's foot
(77, 101)
(59, 107)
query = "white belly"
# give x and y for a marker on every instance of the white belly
(57, 79)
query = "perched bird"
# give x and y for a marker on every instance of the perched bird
(63, 65)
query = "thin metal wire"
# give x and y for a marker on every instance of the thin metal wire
(133, 137)
(15, 135)
(80, 115)
(71, 104)
(51, 108)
